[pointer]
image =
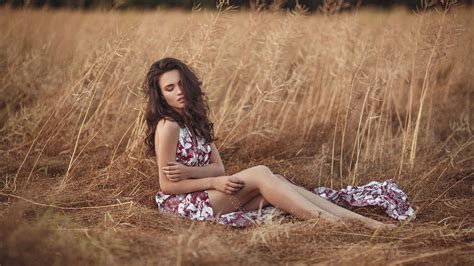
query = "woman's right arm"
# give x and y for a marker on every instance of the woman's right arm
(166, 139)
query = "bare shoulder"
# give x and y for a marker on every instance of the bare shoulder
(166, 137)
(167, 128)
(167, 124)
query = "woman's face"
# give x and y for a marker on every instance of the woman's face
(171, 88)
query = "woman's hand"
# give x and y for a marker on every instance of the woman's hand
(227, 184)
(176, 171)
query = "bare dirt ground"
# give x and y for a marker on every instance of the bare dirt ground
(330, 100)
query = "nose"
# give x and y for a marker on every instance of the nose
(180, 90)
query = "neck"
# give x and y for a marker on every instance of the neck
(179, 111)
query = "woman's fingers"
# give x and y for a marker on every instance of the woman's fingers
(236, 180)
(173, 177)
(232, 190)
(170, 168)
(172, 172)
(235, 185)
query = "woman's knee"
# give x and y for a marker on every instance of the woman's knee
(255, 176)
(265, 178)
(262, 170)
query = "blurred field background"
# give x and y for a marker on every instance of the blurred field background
(329, 99)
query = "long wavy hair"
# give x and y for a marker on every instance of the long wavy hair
(196, 110)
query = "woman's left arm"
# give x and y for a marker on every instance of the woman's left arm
(175, 171)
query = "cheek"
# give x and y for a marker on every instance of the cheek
(168, 98)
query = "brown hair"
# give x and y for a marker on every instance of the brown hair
(196, 110)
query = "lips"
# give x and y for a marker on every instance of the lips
(181, 99)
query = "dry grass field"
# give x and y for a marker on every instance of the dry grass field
(329, 100)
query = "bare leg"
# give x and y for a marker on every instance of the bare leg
(336, 209)
(256, 203)
(259, 202)
(260, 180)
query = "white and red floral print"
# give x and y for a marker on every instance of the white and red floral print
(196, 205)
(386, 195)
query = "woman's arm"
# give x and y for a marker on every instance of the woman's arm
(189, 185)
(166, 139)
(175, 171)
(214, 168)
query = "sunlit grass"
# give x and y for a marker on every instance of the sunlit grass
(328, 100)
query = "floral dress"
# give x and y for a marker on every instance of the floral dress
(196, 205)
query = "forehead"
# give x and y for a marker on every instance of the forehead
(170, 77)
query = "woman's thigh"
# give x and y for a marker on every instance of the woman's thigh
(256, 203)
(224, 203)
(259, 201)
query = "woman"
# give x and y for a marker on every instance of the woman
(192, 179)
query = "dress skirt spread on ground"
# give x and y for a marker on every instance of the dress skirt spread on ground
(196, 205)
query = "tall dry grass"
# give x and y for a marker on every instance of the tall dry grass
(328, 100)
